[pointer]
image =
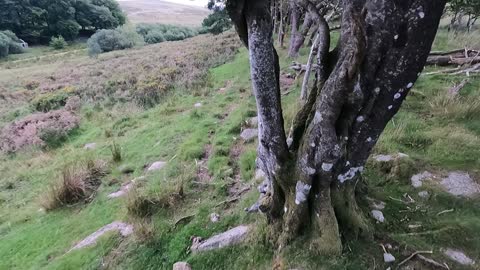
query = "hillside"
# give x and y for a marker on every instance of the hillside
(154, 11)
(179, 169)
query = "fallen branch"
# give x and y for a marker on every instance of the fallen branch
(445, 211)
(185, 219)
(455, 90)
(432, 262)
(413, 255)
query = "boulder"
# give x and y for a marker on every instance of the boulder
(397, 166)
(460, 184)
(228, 238)
(90, 146)
(388, 258)
(378, 216)
(158, 165)
(458, 256)
(123, 228)
(249, 134)
(198, 105)
(182, 266)
(424, 194)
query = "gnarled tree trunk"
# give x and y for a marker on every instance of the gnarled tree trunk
(360, 85)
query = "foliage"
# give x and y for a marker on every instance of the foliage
(38, 21)
(9, 44)
(218, 21)
(156, 33)
(58, 43)
(108, 40)
(52, 100)
(461, 8)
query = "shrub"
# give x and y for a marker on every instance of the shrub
(111, 40)
(9, 44)
(154, 37)
(76, 184)
(58, 43)
(52, 100)
(157, 33)
(40, 129)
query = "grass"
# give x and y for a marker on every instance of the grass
(438, 134)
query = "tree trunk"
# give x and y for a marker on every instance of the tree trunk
(311, 181)
(294, 24)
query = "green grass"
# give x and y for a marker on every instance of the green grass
(177, 132)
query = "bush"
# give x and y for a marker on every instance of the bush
(58, 43)
(112, 40)
(9, 44)
(77, 184)
(50, 101)
(157, 33)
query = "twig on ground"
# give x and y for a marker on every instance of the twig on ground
(445, 211)
(413, 255)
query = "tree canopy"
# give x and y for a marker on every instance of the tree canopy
(218, 21)
(37, 21)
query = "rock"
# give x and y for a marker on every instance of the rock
(214, 217)
(424, 194)
(158, 165)
(253, 122)
(198, 105)
(388, 258)
(228, 238)
(460, 184)
(123, 190)
(378, 216)
(90, 146)
(383, 158)
(182, 266)
(397, 166)
(126, 169)
(123, 228)
(417, 179)
(249, 134)
(259, 174)
(458, 256)
(376, 204)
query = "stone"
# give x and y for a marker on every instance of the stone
(123, 190)
(90, 146)
(198, 105)
(460, 184)
(259, 174)
(123, 228)
(378, 216)
(158, 165)
(417, 179)
(458, 256)
(383, 158)
(424, 194)
(253, 122)
(249, 134)
(388, 258)
(228, 238)
(214, 217)
(182, 266)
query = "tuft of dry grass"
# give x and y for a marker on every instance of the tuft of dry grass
(455, 106)
(76, 184)
(116, 152)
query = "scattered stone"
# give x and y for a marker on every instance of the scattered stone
(253, 122)
(228, 238)
(124, 229)
(378, 216)
(417, 179)
(126, 169)
(198, 105)
(460, 184)
(90, 146)
(388, 258)
(158, 165)
(424, 194)
(123, 190)
(458, 256)
(182, 266)
(214, 217)
(249, 134)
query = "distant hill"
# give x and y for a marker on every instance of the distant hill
(154, 11)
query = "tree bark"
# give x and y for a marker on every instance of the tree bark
(311, 182)
(294, 25)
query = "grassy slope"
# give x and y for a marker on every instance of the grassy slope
(178, 132)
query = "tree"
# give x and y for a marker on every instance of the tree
(218, 21)
(460, 8)
(312, 178)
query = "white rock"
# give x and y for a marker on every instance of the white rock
(182, 266)
(249, 134)
(158, 165)
(417, 179)
(90, 146)
(123, 190)
(460, 184)
(424, 194)
(378, 216)
(388, 258)
(383, 158)
(123, 228)
(198, 105)
(458, 256)
(228, 238)
(214, 217)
